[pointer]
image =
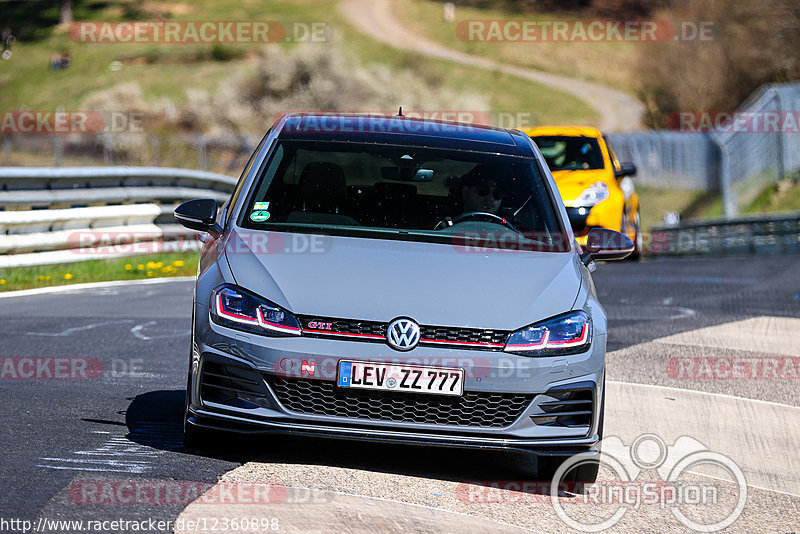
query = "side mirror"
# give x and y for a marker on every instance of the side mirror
(626, 169)
(605, 244)
(200, 214)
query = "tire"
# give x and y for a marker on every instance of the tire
(584, 473)
(638, 247)
(193, 436)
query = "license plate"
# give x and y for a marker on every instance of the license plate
(398, 377)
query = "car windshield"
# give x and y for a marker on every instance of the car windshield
(400, 192)
(565, 153)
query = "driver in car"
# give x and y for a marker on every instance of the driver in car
(481, 191)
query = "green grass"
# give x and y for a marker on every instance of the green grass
(167, 70)
(126, 268)
(780, 196)
(28, 82)
(608, 63)
(656, 202)
(696, 205)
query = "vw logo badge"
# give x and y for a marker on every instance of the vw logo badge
(403, 334)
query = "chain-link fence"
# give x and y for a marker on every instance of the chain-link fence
(763, 148)
(743, 152)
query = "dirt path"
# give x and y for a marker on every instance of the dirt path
(619, 111)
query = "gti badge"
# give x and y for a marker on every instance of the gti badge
(402, 334)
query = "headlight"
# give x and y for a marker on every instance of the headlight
(566, 334)
(236, 308)
(594, 194)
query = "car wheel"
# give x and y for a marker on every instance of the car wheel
(192, 435)
(638, 240)
(584, 473)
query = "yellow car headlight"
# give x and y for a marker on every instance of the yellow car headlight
(592, 195)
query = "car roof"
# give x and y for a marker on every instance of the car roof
(400, 130)
(566, 131)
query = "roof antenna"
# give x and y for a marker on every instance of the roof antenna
(400, 112)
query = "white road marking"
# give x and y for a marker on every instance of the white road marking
(137, 332)
(80, 288)
(74, 329)
(723, 395)
(84, 468)
(651, 312)
(77, 464)
(118, 454)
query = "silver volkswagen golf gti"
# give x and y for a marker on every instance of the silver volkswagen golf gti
(398, 280)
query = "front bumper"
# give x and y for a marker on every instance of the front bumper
(232, 423)
(234, 375)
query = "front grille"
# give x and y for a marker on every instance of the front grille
(569, 408)
(477, 338)
(473, 409)
(464, 335)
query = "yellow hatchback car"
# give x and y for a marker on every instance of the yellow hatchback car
(596, 188)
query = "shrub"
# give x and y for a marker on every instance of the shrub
(753, 42)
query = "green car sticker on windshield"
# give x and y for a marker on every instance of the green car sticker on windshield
(260, 213)
(259, 216)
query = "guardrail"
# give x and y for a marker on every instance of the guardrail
(51, 215)
(758, 234)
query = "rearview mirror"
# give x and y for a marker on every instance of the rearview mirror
(200, 214)
(625, 169)
(605, 244)
(407, 174)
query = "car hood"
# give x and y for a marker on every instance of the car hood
(379, 280)
(572, 183)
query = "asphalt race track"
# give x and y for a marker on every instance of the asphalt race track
(62, 435)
